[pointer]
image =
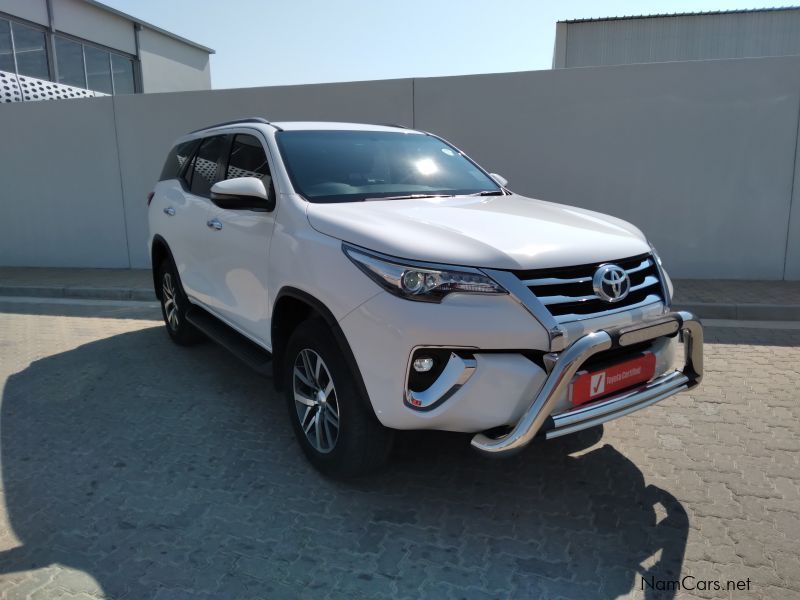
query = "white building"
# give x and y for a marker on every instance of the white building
(73, 48)
(677, 37)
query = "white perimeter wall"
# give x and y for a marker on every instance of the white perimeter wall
(171, 65)
(700, 155)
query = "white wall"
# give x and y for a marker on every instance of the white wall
(746, 34)
(32, 10)
(60, 193)
(169, 65)
(83, 20)
(700, 155)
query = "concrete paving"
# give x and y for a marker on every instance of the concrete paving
(133, 468)
(711, 299)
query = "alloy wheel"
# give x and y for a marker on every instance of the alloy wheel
(315, 400)
(170, 301)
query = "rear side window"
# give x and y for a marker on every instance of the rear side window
(248, 159)
(177, 158)
(205, 165)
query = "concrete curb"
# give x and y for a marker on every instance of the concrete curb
(78, 292)
(742, 312)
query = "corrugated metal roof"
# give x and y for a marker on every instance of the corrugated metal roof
(684, 14)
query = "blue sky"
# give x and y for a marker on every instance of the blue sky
(277, 42)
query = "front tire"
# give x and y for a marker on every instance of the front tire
(331, 418)
(174, 305)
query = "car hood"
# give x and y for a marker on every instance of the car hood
(499, 232)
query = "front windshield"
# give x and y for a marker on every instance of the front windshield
(350, 166)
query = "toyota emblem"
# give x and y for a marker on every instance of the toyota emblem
(611, 283)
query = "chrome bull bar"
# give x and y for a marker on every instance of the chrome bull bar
(570, 360)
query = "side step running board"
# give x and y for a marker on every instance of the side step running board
(253, 355)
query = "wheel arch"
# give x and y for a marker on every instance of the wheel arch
(159, 251)
(293, 306)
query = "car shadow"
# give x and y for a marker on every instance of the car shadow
(159, 469)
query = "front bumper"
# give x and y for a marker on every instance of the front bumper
(567, 363)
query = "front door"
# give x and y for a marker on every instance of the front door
(237, 255)
(190, 234)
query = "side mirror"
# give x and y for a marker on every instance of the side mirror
(499, 179)
(243, 193)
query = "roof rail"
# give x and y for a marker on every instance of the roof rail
(392, 125)
(236, 121)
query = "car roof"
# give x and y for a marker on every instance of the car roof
(219, 128)
(337, 126)
(304, 126)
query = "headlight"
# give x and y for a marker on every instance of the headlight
(415, 282)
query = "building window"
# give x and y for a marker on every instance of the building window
(69, 60)
(6, 49)
(23, 51)
(98, 70)
(92, 68)
(122, 71)
(30, 51)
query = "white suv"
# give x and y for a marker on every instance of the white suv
(387, 282)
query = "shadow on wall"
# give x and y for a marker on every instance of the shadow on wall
(150, 467)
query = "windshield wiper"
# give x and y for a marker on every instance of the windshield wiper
(409, 197)
(489, 193)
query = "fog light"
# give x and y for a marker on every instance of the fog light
(423, 364)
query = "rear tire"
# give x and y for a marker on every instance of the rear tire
(174, 305)
(331, 417)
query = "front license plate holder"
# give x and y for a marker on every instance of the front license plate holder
(588, 386)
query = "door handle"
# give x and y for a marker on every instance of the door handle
(169, 211)
(214, 224)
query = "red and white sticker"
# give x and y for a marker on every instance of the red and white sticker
(592, 385)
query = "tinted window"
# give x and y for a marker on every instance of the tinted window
(248, 159)
(69, 58)
(347, 166)
(98, 70)
(6, 57)
(204, 168)
(29, 49)
(177, 158)
(122, 69)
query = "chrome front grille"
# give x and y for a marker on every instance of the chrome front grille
(568, 294)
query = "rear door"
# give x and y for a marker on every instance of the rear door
(169, 206)
(237, 254)
(193, 233)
